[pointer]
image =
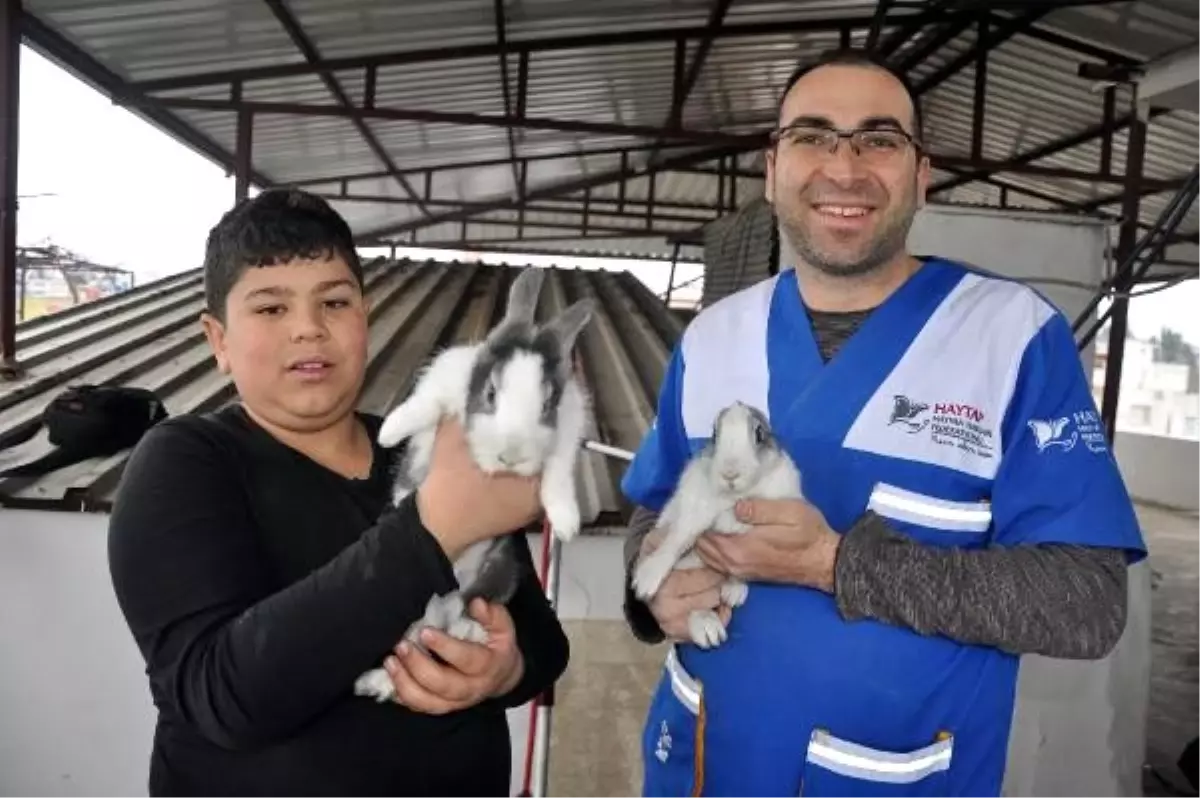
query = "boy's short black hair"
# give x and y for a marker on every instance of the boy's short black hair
(274, 227)
(851, 56)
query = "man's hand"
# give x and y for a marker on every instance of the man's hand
(472, 672)
(461, 505)
(683, 592)
(788, 541)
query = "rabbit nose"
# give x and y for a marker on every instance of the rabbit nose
(729, 474)
(508, 458)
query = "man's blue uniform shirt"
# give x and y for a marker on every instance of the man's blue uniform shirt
(960, 411)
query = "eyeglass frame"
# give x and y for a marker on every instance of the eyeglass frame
(849, 135)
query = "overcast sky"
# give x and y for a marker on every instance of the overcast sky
(122, 193)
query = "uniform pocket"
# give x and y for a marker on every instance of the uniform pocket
(951, 522)
(673, 741)
(834, 766)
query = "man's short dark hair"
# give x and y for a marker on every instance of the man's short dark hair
(277, 226)
(864, 58)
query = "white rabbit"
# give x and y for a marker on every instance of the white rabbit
(523, 412)
(743, 460)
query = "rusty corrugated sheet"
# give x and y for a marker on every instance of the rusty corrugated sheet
(150, 337)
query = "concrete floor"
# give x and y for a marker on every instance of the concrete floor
(1174, 704)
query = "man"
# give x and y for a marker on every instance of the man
(961, 507)
(261, 568)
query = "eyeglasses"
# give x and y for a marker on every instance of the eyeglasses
(876, 145)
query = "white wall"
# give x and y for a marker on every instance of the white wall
(1159, 469)
(77, 716)
(75, 712)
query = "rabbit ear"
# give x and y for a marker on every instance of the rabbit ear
(523, 296)
(566, 326)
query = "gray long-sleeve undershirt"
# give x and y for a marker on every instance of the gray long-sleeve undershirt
(1060, 601)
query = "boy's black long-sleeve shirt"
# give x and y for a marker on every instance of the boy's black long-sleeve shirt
(258, 585)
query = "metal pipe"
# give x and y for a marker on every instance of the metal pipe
(10, 85)
(544, 706)
(1126, 245)
(245, 143)
(359, 114)
(488, 49)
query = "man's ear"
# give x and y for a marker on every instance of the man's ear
(924, 171)
(214, 331)
(769, 182)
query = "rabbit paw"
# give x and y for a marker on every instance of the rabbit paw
(706, 628)
(734, 592)
(650, 573)
(375, 684)
(727, 524)
(468, 629)
(564, 518)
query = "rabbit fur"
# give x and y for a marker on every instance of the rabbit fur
(742, 460)
(523, 412)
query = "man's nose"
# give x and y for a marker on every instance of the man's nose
(842, 166)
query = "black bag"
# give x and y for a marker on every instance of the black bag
(87, 421)
(1188, 761)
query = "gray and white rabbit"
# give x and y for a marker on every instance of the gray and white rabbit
(522, 411)
(743, 460)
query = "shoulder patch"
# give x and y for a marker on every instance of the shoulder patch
(725, 356)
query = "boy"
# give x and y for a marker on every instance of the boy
(261, 569)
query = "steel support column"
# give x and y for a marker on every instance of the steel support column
(242, 156)
(1126, 244)
(10, 87)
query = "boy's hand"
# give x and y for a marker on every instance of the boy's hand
(472, 672)
(460, 504)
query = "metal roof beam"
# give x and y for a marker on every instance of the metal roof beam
(1059, 39)
(1050, 148)
(1145, 188)
(53, 46)
(498, 13)
(1007, 28)
(877, 22)
(959, 163)
(312, 56)
(933, 40)
(451, 166)
(571, 203)
(640, 215)
(491, 49)
(581, 229)
(907, 31)
(568, 187)
(712, 26)
(445, 117)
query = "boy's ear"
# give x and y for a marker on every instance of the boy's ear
(214, 331)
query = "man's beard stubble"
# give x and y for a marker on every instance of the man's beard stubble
(886, 243)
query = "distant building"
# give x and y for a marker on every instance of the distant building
(1157, 398)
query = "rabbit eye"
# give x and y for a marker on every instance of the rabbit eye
(489, 393)
(760, 435)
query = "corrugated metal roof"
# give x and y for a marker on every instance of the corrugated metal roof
(149, 337)
(1034, 93)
